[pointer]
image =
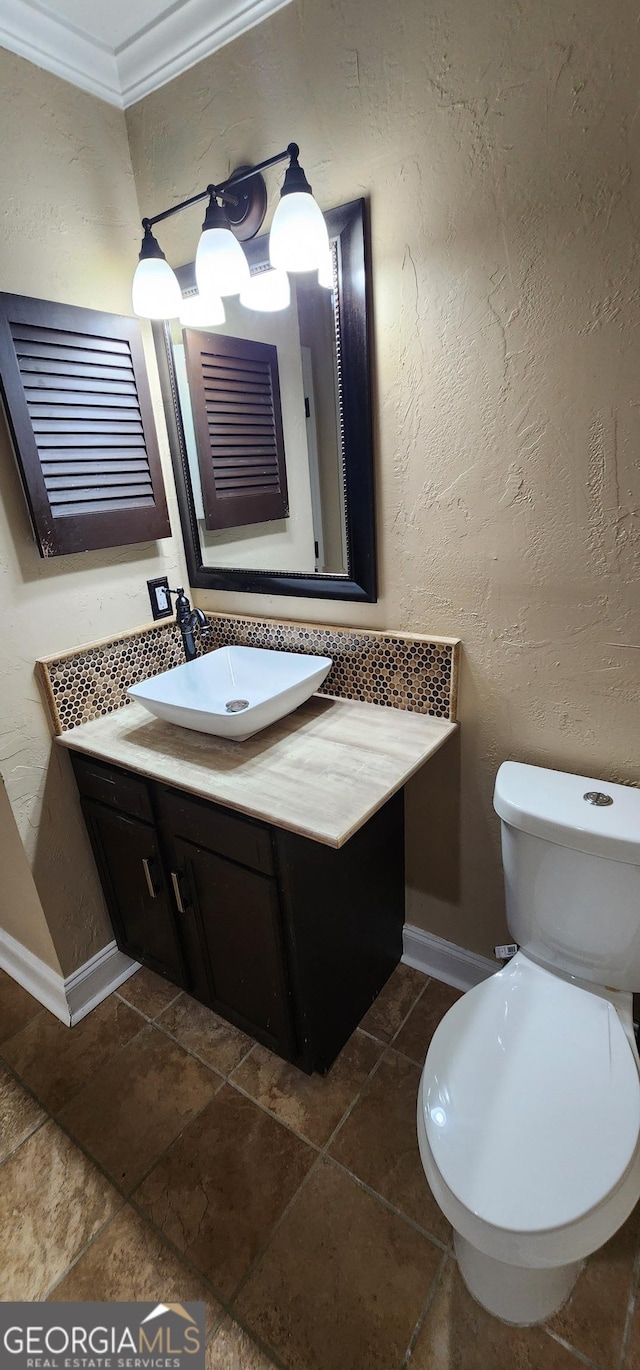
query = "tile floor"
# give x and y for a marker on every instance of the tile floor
(154, 1152)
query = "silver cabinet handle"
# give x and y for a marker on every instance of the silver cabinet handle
(147, 876)
(175, 881)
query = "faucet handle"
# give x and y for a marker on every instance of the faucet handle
(183, 607)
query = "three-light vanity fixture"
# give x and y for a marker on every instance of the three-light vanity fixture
(298, 241)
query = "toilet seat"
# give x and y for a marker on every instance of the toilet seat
(530, 1101)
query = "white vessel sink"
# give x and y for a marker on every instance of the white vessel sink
(234, 691)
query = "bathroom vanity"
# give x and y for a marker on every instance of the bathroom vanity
(265, 878)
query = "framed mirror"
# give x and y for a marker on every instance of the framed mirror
(269, 419)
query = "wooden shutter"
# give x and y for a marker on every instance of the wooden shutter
(79, 410)
(235, 396)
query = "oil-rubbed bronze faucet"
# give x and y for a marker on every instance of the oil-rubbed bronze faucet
(188, 620)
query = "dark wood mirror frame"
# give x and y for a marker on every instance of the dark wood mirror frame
(346, 225)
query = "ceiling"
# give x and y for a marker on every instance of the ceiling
(123, 49)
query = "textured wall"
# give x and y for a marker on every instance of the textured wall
(498, 144)
(69, 226)
(21, 912)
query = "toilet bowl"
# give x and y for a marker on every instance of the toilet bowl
(529, 1100)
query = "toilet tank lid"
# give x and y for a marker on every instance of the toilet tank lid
(552, 805)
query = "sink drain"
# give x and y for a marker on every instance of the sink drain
(235, 706)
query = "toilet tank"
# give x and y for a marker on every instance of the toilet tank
(571, 856)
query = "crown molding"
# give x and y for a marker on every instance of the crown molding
(54, 45)
(185, 36)
(157, 54)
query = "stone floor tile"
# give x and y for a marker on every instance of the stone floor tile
(593, 1319)
(343, 1281)
(130, 1261)
(378, 1143)
(20, 1115)
(52, 1202)
(393, 1002)
(459, 1335)
(414, 1038)
(199, 1029)
(137, 1103)
(232, 1349)
(17, 1007)
(310, 1104)
(56, 1060)
(219, 1191)
(147, 992)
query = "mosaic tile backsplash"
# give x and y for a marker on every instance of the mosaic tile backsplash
(393, 670)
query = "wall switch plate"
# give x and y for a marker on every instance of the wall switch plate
(161, 606)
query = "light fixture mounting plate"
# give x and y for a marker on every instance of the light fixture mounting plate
(247, 216)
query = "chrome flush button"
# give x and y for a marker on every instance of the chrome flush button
(598, 798)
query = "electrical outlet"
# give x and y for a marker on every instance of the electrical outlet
(161, 606)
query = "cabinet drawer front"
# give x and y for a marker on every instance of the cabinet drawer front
(127, 793)
(241, 839)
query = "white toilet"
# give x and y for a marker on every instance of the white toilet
(529, 1101)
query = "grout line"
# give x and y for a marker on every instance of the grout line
(300, 1136)
(416, 1001)
(391, 1208)
(192, 1052)
(315, 1165)
(407, 1057)
(263, 1346)
(43, 1122)
(75, 1094)
(182, 1255)
(79, 1254)
(321, 1154)
(126, 1001)
(127, 1201)
(371, 1036)
(174, 1140)
(426, 1309)
(7, 1040)
(579, 1355)
(125, 1194)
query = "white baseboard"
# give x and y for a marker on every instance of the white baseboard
(96, 980)
(72, 998)
(46, 985)
(444, 960)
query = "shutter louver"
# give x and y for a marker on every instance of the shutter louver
(235, 395)
(79, 409)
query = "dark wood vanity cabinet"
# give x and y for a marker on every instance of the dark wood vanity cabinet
(285, 937)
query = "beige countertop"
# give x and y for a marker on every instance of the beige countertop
(322, 771)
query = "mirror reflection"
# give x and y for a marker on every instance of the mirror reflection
(260, 398)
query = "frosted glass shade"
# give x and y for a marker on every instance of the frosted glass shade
(325, 272)
(221, 266)
(266, 292)
(155, 293)
(202, 311)
(298, 240)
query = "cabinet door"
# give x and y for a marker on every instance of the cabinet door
(238, 914)
(129, 864)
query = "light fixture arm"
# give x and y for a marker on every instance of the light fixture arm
(236, 178)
